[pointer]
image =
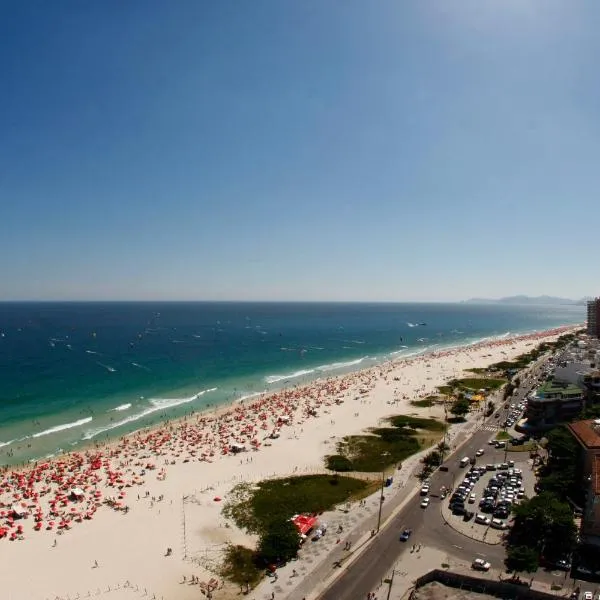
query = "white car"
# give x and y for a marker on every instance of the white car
(482, 520)
(472, 498)
(425, 490)
(425, 503)
(588, 596)
(480, 452)
(481, 565)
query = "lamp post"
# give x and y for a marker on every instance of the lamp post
(382, 484)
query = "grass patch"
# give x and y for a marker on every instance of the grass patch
(383, 447)
(526, 447)
(240, 566)
(477, 383)
(445, 389)
(424, 403)
(503, 435)
(253, 507)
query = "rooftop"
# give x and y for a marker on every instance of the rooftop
(587, 433)
(553, 386)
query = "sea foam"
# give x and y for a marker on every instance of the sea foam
(62, 427)
(270, 379)
(121, 407)
(156, 405)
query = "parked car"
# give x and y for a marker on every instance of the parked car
(425, 503)
(482, 520)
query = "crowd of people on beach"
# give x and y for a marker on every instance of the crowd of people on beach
(56, 495)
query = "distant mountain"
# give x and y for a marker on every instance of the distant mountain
(543, 300)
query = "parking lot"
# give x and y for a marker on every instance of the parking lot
(479, 505)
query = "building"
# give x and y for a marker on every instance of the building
(587, 434)
(552, 403)
(593, 318)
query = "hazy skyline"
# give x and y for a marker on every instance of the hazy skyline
(273, 150)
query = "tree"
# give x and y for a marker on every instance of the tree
(544, 523)
(460, 407)
(561, 446)
(508, 390)
(279, 543)
(522, 559)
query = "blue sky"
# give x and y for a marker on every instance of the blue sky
(337, 150)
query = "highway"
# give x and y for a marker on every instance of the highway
(428, 526)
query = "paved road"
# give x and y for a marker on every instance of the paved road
(429, 528)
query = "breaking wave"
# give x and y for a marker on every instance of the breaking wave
(62, 427)
(156, 405)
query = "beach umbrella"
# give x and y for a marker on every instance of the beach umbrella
(217, 499)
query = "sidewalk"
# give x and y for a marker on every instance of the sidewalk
(315, 565)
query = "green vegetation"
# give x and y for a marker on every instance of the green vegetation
(521, 559)
(266, 509)
(544, 524)
(460, 407)
(425, 402)
(526, 447)
(279, 543)
(503, 436)
(384, 447)
(254, 507)
(562, 475)
(446, 390)
(240, 566)
(508, 390)
(474, 384)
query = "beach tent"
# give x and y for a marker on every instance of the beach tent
(237, 448)
(304, 523)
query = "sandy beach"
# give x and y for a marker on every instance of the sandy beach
(164, 488)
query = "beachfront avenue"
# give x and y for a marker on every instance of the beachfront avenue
(429, 527)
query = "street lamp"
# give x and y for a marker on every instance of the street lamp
(384, 454)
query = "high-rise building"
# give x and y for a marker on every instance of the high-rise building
(593, 317)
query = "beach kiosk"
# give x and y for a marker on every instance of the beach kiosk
(76, 494)
(235, 448)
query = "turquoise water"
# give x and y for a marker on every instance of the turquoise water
(75, 373)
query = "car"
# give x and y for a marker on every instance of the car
(588, 596)
(424, 490)
(563, 564)
(472, 498)
(425, 503)
(405, 535)
(480, 565)
(498, 524)
(480, 452)
(482, 520)
(458, 510)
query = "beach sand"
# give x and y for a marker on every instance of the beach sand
(165, 481)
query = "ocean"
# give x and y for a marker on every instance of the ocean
(76, 373)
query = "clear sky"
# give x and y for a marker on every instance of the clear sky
(319, 150)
